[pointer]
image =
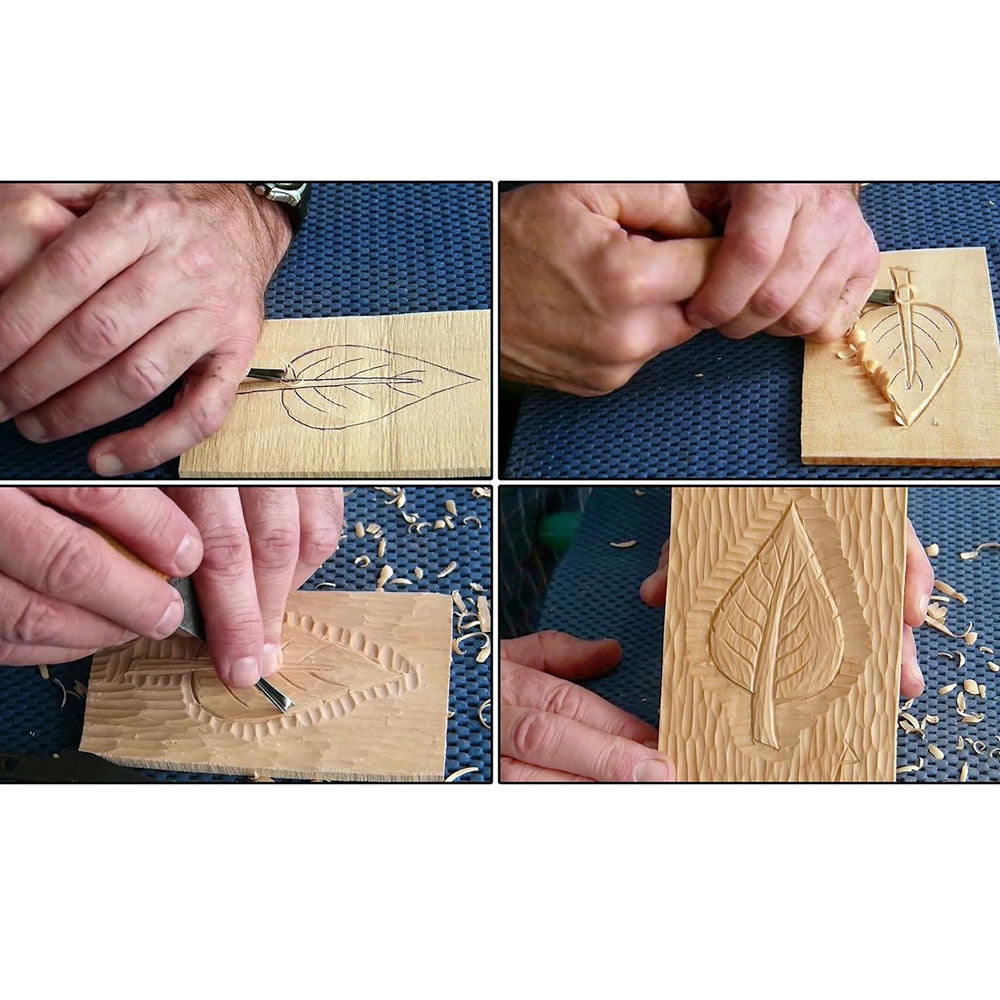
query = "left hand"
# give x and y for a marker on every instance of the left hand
(796, 260)
(917, 590)
(261, 543)
(151, 283)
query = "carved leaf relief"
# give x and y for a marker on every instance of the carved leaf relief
(908, 349)
(777, 632)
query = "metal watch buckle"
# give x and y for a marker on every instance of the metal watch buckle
(287, 192)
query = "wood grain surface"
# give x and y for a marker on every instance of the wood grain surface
(405, 395)
(368, 674)
(783, 631)
(953, 408)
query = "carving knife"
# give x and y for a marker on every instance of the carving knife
(194, 624)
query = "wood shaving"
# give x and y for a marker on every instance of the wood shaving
(384, 576)
(475, 623)
(935, 752)
(961, 743)
(458, 602)
(938, 611)
(978, 746)
(944, 630)
(971, 687)
(963, 775)
(950, 591)
(947, 689)
(484, 654)
(482, 708)
(970, 638)
(986, 649)
(418, 526)
(401, 581)
(363, 561)
(359, 530)
(974, 554)
(450, 523)
(401, 499)
(483, 607)
(43, 670)
(409, 518)
(907, 768)
(472, 519)
(450, 568)
(380, 551)
(482, 491)
(639, 493)
(62, 687)
(932, 550)
(80, 688)
(418, 572)
(451, 715)
(623, 545)
(993, 667)
(478, 588)
(455, 775)
(326, 586)
(848, 353)
(439, 524)
(982, 691)
(449, 505)
(960, 702)
(971, 718)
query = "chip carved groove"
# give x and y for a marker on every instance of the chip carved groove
(184, 663)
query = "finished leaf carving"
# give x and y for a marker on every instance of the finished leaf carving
(344, 385)
(907, 349)
(777, 632)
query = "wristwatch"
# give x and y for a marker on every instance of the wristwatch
(292, 196)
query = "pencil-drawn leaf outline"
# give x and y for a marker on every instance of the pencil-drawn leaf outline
(327, 671)
(345, 385)
(777, 632)
(908, 349)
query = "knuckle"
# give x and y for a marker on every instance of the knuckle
(318, 544)
(208, 415)
(71, 262)
(756, 251)
(616, 761)
(226, 550)
(530, 736)
(31, 209)
(771, 300)
(68, 567)
(803, 320)
(198, 260)
(142, 379)
(276, 546)
(564, 699)
(96, 334)
(36, 624)
(15, 327)
(93, 498)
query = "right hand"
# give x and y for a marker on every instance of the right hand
(585, 298)
(554, 730)
(65, 592)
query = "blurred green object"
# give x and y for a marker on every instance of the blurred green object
(557, 531)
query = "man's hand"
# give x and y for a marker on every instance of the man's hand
(65, 592)
(261, 543)
(797, 260)
(554, 730)
(590, 288)
(916, 596)
(152, 282)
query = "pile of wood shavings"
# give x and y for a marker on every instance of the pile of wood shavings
(965, 694)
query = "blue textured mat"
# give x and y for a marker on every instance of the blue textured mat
(595, 593)
(31, 720)
(365, 249)
(742, 418)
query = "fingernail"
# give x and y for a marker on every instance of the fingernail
(924, 603)
(30, 428)
(244, 673)
(188, 556)
(172, 617)
(270, 662)
(108, 465)
(654, 769)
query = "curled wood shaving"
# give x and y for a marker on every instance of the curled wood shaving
(455, 775)
(639, 493)
(907, 768)
(409, 518)
(401, 499)
(938, 611)
(472, 519)
(416, 527)
(478, 588)
(475, 623)
(932, 550)
(944, 630)
(950, 591)
(978, 747)
(62, 687)
(401, 581)
(458, 602)
(850, 351)
(974, 553)
(326, 586)
(484, 654)
(971, 718)
(482, 708)
(623, 545)
(450, 568)
(482, 491)
(483, 607)
(449, 505)
(986, 649)
(363, 561)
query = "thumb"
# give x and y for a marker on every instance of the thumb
(563, 655)
(661, 208)
(670, 271)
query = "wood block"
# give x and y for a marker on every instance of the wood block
(939, 350)
(364, 396)
(368, 674)
(783, 633)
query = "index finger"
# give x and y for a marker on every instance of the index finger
(88, 254)
(919, 580)
(562, 654)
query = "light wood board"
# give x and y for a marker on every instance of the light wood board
(368, 674)
(846, 419)
(783, 633)
(404, 395)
